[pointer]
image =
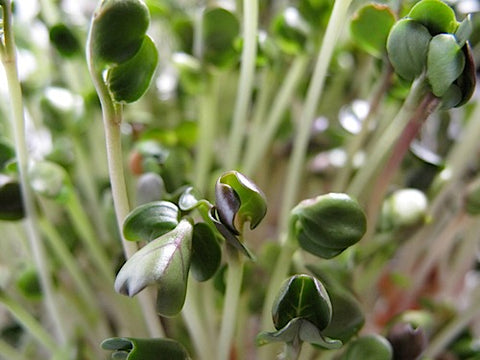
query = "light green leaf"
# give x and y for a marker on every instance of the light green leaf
(445, 63)
(372, 347)
(151, 220)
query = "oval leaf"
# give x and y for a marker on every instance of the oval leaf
(64, 40)
(328, 224)
(445, 63)
(407, 47)
(435, 15)
(118, 29)
(165, 262)
(220, 29)
(11, 202)
(145, 349)
(302, 296)
(372, 347)
(129, 80)
(370, 27)
(206, 252)
(151, 220)
(50, 180)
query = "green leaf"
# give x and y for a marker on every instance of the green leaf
(118, 29)
(445, 63)
(151, 220)
(467, 80)
(28, 283)
(7, 153)
(328, 224)
(11, 202)
(164, 262)
(190, 73)
(370, 27)
(435, 15)
(129, 80)
(464, 30)
(302, 296)
(298, 329)
(372, 347)
(407, 47)
(239, 201)
(189, 199)
(145, 349)
(64, 40)
(220, 29)
(206, 252)
(50, 180)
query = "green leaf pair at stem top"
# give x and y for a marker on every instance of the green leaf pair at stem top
(118, 42)
(430, 41)
(177, 246)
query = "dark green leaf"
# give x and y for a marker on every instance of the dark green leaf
(145, 349)
(151, 220)
(445, 63)
(407, 47)
(11, 202)
(118, 29)
(372, 347)
(64, 40)
(220, 29)
(7, 153)
(435, 15)
(328, 224)
(467, 80)
(370, 27)
(165, 262)
(206, 252)
(129, 80)
(239, 201)
(302, 296)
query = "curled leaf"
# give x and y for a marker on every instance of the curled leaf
(145, 349)
(435, 15)
(129, 80)
(164, 262)
(407, 47)
(302, 296)
(118, 29)
(328, 224)
(151, 220)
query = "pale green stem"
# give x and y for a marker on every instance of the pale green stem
(245, 85)
(112, 119)
(454, 328)
(206, 133)
(84, 229)
(262, 137)
(230, 304)
(382, 148)
(60, 249)
(335, 25)
(195, 322)
(9, 352)
(29, 323)
(38, 250)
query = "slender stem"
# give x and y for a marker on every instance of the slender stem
(382, 148)
(262, 137)
(245, 86)
(206, 128)
(29, 323)
(230, 305)
(428, 104)
(112, 119)
(38, 250)
(315, 89)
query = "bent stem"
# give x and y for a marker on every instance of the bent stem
(244, 93)
(8, 56)
(112, 119)
(315, 89)
(230, 305)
